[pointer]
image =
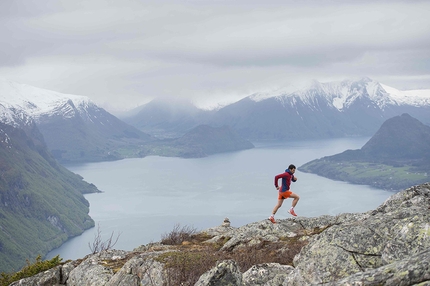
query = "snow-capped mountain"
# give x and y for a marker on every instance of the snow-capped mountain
(312, 110)
(323, 110)
(342, 94)
(74, 128)
(36, 101)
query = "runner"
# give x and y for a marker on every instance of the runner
(284, 191)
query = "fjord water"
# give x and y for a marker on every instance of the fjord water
(145, 198)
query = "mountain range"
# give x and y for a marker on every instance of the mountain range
(76, 130)
(396, 156)
(315, 111)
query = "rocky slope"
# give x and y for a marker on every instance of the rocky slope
(386, 246)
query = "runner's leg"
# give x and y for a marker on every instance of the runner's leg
(296, 199)
(280, 202)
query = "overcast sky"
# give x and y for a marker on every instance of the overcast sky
(124, 53)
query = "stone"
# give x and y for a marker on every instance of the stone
(95, 269)
(46, 278)
(226, 222)
(266, 274)
(395, 231)
(225, 273)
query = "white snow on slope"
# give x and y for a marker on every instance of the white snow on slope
(35, 101)
(417, 97)
(343, 93)
(6, 115)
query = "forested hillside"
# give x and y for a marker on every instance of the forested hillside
(41, 202)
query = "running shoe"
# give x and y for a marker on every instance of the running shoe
(291, 211)
(272, 219)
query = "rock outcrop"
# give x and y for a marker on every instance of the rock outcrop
(386, 246)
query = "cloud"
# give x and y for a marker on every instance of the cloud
(127, 52)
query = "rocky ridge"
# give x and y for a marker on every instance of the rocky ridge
(386, 246)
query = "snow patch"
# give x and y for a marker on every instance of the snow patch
(339, 102)
(418, 97)
(35, 101)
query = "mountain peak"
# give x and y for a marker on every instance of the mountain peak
(340, 94)
(74, 128)
(400, 137)
(35, 101)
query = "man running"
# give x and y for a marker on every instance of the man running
(284, 191)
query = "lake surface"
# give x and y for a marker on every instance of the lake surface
(144, 198)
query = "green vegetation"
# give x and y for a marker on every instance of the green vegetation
(198, 142)
(30, 269)
(41, 202)
(382, 176)
(396, 157)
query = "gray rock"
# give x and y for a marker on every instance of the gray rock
(398, 229)
(225, 273)
(46, 278)
(141, 269)
(95, 270)
(267, 274)
(66, 269)
(226, 222)
(414, 270)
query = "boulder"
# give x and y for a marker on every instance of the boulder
(46, 278)
(225, 273)
(414, 270)
(95, 269)
(266, 274)
(395, 231)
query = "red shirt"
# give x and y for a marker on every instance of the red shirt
(287, 177)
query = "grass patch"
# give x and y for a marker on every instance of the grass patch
(379, 175)
(30, 269)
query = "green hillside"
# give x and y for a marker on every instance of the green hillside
(397, 156)
(41, 202)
